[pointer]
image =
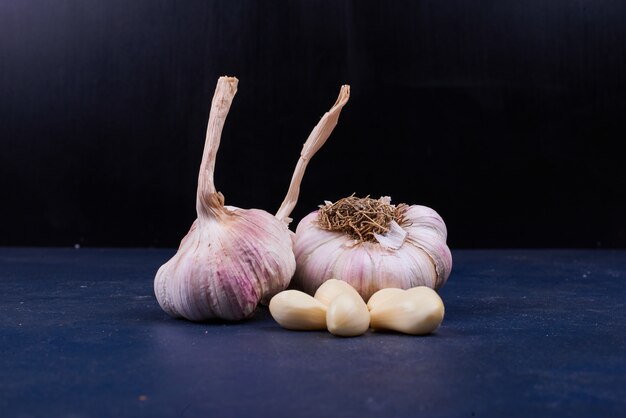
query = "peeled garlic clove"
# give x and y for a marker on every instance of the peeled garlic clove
(347, 315)
(423, 291)
(383, 295)
(332, 288)
(417, 311)
(298, 311)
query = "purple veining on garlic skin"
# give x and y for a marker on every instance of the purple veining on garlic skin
(195, 300)
(242, 260)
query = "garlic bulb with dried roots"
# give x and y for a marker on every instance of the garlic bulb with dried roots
(232, 258)
(372, 245)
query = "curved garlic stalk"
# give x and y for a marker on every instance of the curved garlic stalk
(232, 258)
(372, 245)
(314, 142)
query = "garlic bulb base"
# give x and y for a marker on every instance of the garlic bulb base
(382, 296)
(360, 218)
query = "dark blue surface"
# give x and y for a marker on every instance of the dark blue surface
(526, 333)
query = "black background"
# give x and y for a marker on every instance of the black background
(504, 116)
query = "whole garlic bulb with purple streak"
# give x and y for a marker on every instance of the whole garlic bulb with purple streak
(232, 258)
(372, 245)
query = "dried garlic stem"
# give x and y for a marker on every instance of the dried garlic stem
(317, 138)
(208, 201)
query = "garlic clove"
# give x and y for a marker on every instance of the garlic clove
(332, 288)
(382, 295)
(347, 315)
(423, 292)
(298, 311)
(417, 311)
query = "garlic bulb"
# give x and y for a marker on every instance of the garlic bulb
(232, 258)
(372, 245)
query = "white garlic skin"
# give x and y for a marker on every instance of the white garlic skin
(423, 259)
(224, 267)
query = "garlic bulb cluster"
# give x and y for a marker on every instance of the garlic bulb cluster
(232, 258)
(372, 245)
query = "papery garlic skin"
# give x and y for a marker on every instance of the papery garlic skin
(224, 268)
(421, 259)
